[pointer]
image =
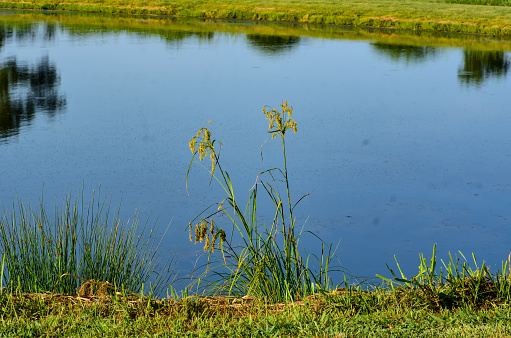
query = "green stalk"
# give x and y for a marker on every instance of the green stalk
(40, 250)
(268, 263)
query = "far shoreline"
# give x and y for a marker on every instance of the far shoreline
(418, 15)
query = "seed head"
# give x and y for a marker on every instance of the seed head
(206, 243)
(205, 148)
(281, 121)
(213, 243)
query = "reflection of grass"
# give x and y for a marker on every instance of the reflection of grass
(424, 15)
(174, 30)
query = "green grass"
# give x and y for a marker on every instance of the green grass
(454, 284)
(346, 313)
(258, 259)
(493, 18)
(79, 242)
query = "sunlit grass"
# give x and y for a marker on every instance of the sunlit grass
(78, 242)
(452, 284)
(258, 259)
(351, 312)
(425, 15)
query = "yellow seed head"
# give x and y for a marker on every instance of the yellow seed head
(206, 243)
(213, 162)
(207, 135)
(213, 243)
(281, 121)
(192, 144)
(202, 150)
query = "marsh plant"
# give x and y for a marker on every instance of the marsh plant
(451, 284)
(257, 259)
(79, 242)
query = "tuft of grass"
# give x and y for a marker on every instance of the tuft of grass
(43, 253)
(267, 263)
(455, 284)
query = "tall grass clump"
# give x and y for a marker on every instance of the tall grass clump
(79, 242)
(258, 259)
(455, 283)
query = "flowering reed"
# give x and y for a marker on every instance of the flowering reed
(266, 263)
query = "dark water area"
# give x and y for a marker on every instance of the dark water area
(403, 138)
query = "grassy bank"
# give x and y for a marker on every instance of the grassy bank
(467, 303)
(174, 30)
(474, 16)
(345, 313)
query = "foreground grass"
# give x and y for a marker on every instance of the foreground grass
(424, 15)
(81, 241)
(344, 314)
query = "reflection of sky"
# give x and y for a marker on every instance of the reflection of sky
(396, 156)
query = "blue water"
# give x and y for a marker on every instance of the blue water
(400, 147)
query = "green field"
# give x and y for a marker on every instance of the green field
(491, 17)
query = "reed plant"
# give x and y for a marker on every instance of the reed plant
(258, 259)
(79, 242)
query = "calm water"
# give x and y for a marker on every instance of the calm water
(403, 139)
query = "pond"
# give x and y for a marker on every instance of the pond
(403, 137)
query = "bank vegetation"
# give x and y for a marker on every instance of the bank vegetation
(489, 17)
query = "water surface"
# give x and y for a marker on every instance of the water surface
(403, 138)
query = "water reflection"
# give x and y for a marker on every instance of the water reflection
(5, 34)
(171, 37)
(25, 91)
(27, 32)
(177, 36)
(272, 44)
(406, 53)
(479, 66)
